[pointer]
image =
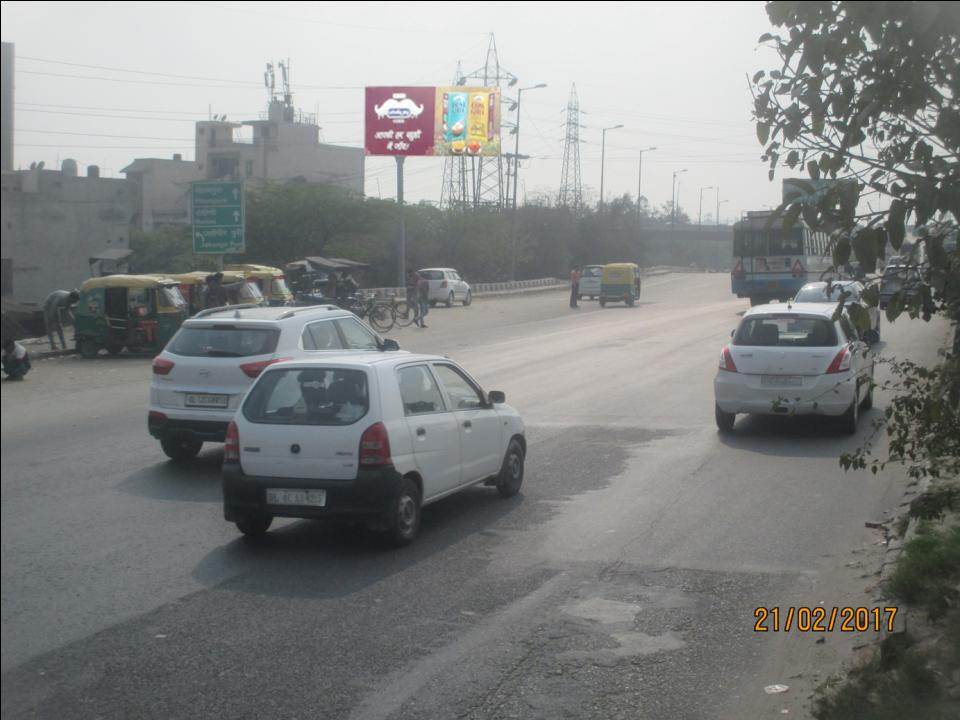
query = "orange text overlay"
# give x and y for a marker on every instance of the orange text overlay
(821, 619)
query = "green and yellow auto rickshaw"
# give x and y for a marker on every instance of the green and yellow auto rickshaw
(270, 280)
(137, 312)
(240, 291)
(620, 283)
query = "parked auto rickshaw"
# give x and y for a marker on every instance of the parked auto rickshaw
(620, 283)
(270, 280)
(137, 312)
(240, 291)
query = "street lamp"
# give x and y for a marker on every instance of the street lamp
(719, 202)
(673, 201)
(700, 210)
(516, 143)
(603, 156)
(639, 186)
(516, 176)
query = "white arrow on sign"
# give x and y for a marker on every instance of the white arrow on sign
(236, 193)
(236, 216)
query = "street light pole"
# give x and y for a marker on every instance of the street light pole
(673, 202)
(639, 188)
(700, 211)
(603, 157)
(516, 179)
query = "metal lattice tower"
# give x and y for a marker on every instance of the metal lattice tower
(571, 194)
(456, 190)
(486, 174)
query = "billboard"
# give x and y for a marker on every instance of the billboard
(432, 121)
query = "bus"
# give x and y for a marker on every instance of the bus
(770, 263)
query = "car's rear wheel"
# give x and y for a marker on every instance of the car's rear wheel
(511, 472)
(725, 420)
(114, 349)
(403, 523)
(867, 403)
(848, 421)
(255, 526)
(180, 448)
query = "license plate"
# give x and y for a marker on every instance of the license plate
(313, 498)
(781, 380)
(206, 400)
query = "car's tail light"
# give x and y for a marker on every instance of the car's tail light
(726, 360)
(375, 446)
(155, 419)
(162, 366)
(253, 369)
(841, 363)
(231, 446)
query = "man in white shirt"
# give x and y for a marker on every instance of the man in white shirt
(16, 360)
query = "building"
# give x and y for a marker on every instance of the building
(59, 229)
(160, 190)
(285, 146)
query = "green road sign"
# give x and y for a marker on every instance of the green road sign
(218, 218)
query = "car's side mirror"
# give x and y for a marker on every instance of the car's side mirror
(389, 344)
(733, 332)
(497, 397)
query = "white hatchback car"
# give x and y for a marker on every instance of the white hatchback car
(207, 367)
(374, 437)
(794, 359)
(446, 286)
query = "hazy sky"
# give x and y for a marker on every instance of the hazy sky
(673, 73)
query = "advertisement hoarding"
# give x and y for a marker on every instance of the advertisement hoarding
(432, 121)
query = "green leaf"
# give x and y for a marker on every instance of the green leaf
(763, 132)
(865, 249)
(760, 73)
(813, 169)
(894, 306)
(871, 295)
(841, 252)
(861, 318)
(793, 157)
(791, 217)
(896, 229)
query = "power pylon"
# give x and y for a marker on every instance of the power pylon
(486, 173)
(455, 192)
(571, 194)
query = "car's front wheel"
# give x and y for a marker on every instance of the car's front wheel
(468, 298)
(403, 522)
(450, 300)
(180, 448)
(724, 420)
(511, 472)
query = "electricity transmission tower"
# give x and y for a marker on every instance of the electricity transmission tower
(486, 174)
(571, 194)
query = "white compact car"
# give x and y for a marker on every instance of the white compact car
(446, 286)
(817, 292)
(374, 437)
(207, 367)
(590, 280)
(794, 359)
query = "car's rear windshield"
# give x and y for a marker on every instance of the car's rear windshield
(223, 341)
(819, 294)
(312, 396)
(786, 331)
(432, 274)
(592, 272)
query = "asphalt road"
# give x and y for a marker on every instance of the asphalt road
(622, 582)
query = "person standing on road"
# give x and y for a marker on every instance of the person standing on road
(16, 360)
(574, 286)
(413, 293)
(56, 304)
(423, 298)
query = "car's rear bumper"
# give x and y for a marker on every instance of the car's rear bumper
(210, 429)
(821, 395)
(371, 493)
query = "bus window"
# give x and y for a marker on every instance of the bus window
(786, 243)
(759, 243)
(740, 242)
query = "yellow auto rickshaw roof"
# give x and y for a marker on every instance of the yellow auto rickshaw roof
(128, 281)
(199, 277)
(620, 265)
(259, 271)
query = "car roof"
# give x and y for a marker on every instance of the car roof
(354, 359)
(425, 269)
(268, 314)
(824, 310)
(820, 284)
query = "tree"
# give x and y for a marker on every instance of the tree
(866, 96)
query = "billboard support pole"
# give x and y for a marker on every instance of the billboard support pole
(402, 253)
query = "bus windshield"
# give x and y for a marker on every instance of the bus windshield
(762, 243)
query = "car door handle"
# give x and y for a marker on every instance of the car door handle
(467, 424)
(421, 432)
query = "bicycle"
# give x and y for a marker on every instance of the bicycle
(378, 313)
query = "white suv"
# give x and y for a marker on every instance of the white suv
(446, 286)
(373, 436)
(207, 367)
